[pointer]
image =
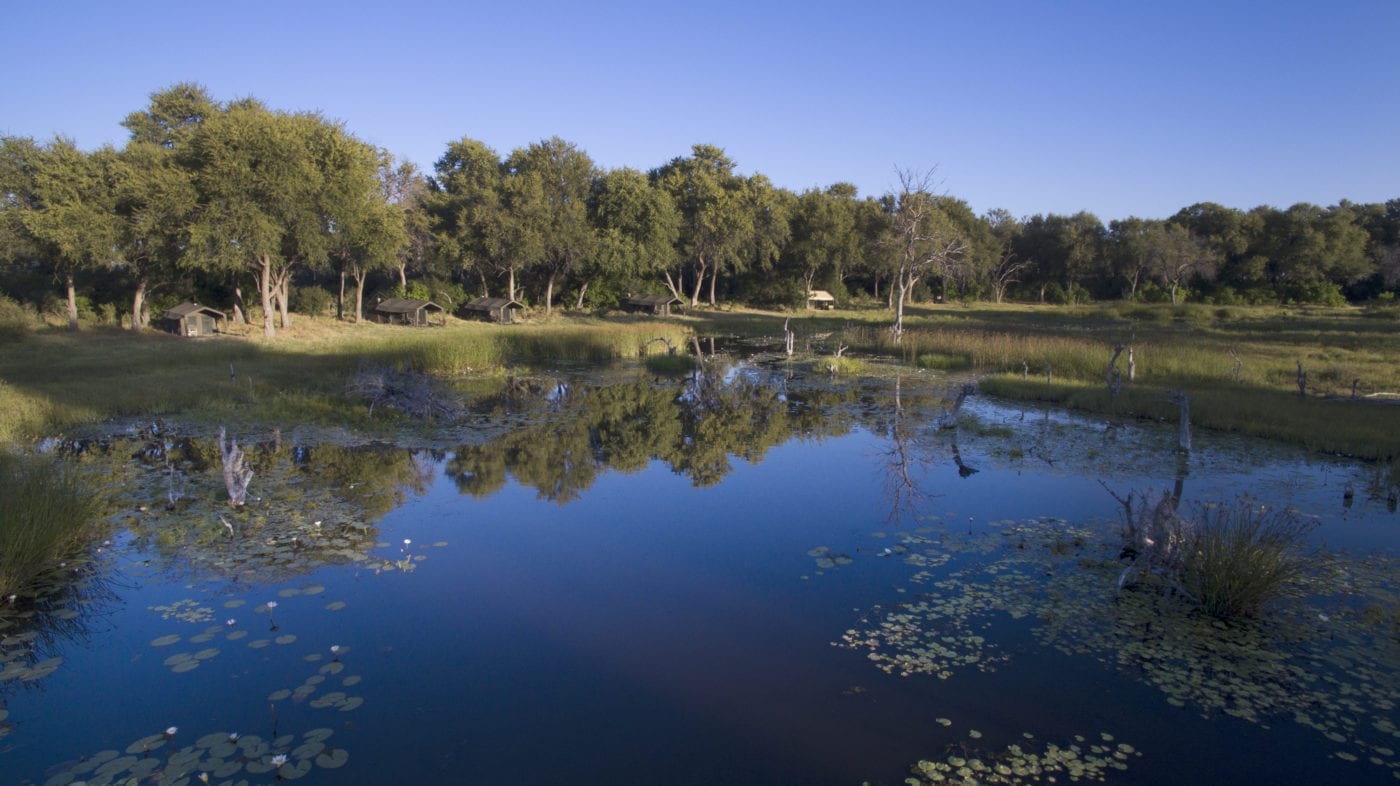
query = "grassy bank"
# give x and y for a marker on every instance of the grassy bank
(1238, 365)
(53, 379)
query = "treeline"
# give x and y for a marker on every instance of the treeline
(207, 198)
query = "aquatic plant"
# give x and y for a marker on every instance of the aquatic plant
(1242, 556)
(1232, 560)
(44, 513)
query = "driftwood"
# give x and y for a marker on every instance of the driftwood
(1154, 540)
(1182, 401)
(236, 476)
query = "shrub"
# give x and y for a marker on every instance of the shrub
(16, 321)
(313, 301)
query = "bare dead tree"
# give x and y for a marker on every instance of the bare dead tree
(788, 336)
(1113, 378)
(923, 244)
(1302, 381)
(1006, 273)
(236, 475)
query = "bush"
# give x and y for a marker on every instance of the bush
(312, 301)
(16, 321)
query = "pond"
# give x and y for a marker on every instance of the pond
(756, 575)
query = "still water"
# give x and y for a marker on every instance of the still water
(757, 577)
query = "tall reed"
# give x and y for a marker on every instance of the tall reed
(44, 513)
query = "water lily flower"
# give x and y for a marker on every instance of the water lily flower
(233, 736)
(231, 622)
(335, 649)
(204, 777)
(279, 760)
(272, 604)
(170, 732)
(407, 541)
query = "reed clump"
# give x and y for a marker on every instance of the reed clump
(1241, 557)
(1232, 560)
(44, 515)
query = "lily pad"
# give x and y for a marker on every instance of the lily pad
(332, 758)
(165, 641)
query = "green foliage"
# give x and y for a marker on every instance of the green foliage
(1240, 557)
(312, 300)
(839, 366)
(44, 512)
(16, 321)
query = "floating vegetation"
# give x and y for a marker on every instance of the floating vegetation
(184, 611)
(1015, 764)
(217, 757)
(1329, 660)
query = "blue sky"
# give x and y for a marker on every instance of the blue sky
(1120, 108)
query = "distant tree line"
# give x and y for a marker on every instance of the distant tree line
(210, 199)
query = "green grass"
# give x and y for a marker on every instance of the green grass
(44, 515)
(1238, 364)
(52, 379)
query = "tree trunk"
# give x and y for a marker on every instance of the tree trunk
(1173, 294)
(549, 295)
(72, 301)
(578, 305)
(265, 292)
(340, 300)
(239, 316)
(359, 297)
(138, 304)
(699, 286)
(485, 291)
(675, 286)
(713, 279)
(283, 295)
(403, 276)
(510, 291)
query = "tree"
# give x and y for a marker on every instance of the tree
(371, 231)
(548, 185)
(155, 199)
(69, 215)
(637, 229)
(714, 221)
(465, 205)
(273, 190)
(825, 236)
(922, 240)
(1008, 268)
(1177, 255)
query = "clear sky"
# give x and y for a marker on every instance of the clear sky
(1119, 107)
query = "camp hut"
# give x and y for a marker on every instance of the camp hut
(820, 298)
(401, 311)
(493, 309)
(192, 319)
(660, 305)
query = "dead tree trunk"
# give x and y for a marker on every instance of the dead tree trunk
(788, 336)
(1184, 403)
(236, 476)
(1302, 381)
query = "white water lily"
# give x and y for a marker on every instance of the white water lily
(279, 760)
(170, 732)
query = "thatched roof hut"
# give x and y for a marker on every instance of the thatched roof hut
(192, 319)
(493, 309)
(820, 298)
(401, 311)
(660, 305)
